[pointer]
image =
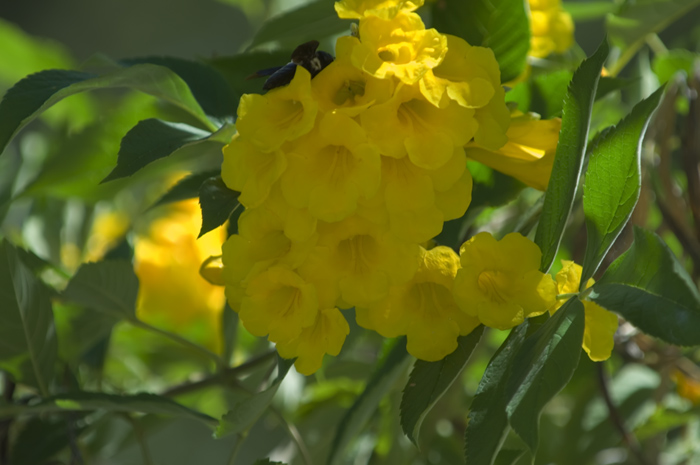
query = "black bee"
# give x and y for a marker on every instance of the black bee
(305, 55)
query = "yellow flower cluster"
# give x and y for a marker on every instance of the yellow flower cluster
(552, 28)
(345, 176)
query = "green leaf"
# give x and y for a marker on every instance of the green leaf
(237, 68)
(40, 439)
(186, 188)
(88, 401)
(613, 183)
(366, 404)
(109, 287)
(666, 66)
(568, 162)
(487, 423)
(207, 85)
(629, 27)
(27, 334)
(150, 140)
(217, 202)
(267, 462)
(586, 11)
(501, 25)
(649, 287)
(508, 457)
(245, 413)
(548, 93)
(37, 92)
(313, 21)
(429, 381)
(543, 365)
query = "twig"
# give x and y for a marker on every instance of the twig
(224, 377)
(141, 439)
(295, 435)
(76, 457)
(627, 437)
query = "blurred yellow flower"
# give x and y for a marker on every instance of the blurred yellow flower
(500, 282)
(600, 324)
(552, 28)
(687, 387)
(172, 293)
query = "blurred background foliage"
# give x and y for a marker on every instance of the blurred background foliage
(60, 212)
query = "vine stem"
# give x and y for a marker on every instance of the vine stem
(220, 363)
(627, 437)
(237, 447)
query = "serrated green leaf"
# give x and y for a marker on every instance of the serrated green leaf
(487, 423)
(151, 140)
(613, 183)
(27, 334)
(501, 25)
(542, 367)
(37, 92)
(207, 85)
(217, 202)
(242, 416)
(313, 21)
(630, 26)
(88, 401)
(429, 381)
(354, 420)
(109, 286)
(568, 162)
(649, 287)
(186, 188)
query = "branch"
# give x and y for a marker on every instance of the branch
(627, 437)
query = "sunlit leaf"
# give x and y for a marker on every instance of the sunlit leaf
(613, 183)
(37, 92)
(650, 288)
(573, 139)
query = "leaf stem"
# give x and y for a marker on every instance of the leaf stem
(566, 296)
(234, 453)
(220, 363)
(627, 437)
(295, 435)
(222, 377)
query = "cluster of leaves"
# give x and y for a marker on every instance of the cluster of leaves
(647, 285)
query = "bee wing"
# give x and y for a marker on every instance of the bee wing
(305, 52)
(264, 72)
(281, 77)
